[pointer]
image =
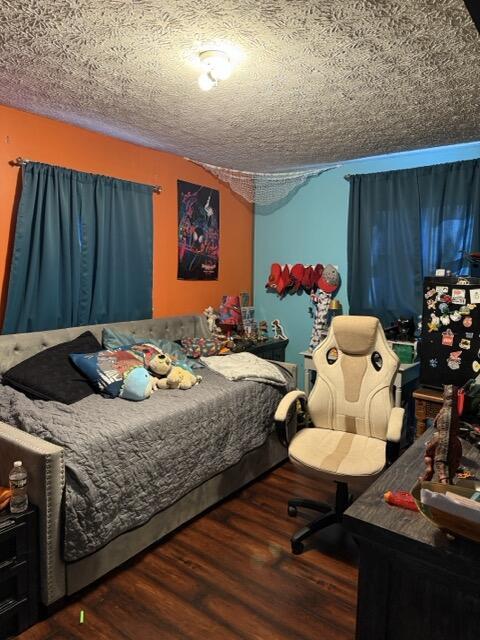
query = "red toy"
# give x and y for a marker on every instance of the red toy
(402, 499)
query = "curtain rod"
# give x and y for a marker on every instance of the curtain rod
(20, 162)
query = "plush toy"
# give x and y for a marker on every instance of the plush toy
(138, 384)
(172, 376)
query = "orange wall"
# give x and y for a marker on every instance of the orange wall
(50, 141)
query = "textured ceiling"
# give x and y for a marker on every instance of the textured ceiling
(317, 82)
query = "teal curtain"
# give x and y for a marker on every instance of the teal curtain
(402, 225)
(82, 251)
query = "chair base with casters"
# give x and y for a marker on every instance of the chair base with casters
(329, 515)
(354, 426)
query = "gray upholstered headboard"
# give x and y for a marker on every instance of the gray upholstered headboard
(18, 346)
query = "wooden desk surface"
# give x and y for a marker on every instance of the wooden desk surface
(372, 518)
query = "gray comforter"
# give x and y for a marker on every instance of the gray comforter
(125, 461)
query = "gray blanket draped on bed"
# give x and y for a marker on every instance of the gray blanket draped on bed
(126, 461)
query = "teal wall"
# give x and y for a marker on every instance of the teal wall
(311, 226)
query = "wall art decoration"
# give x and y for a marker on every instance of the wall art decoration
(198, 231)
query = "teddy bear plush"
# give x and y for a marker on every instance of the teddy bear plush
(171, 376)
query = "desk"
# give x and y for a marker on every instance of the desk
(414, 583)
(428, 403)
(406, 373)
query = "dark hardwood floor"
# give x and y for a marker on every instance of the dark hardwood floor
(227, 575)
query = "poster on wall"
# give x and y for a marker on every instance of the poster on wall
(198, 231)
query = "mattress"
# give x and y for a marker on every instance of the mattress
(126, 461)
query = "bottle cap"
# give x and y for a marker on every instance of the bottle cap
(17, 463)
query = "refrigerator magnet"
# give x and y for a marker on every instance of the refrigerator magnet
(464, 310)
(455, 316)
(469, 334)
(464, 344)
(475, 296)
(433, 362)
(458, 296)
(467, 321)
(454, 360)
(445, 320)
(432, 303)
(476, 366)
(430, 293)
(443, 307)
(447, 338)
(434, 322)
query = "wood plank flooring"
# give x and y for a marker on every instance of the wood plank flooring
(227, 575)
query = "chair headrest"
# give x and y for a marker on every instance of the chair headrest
(355, 335)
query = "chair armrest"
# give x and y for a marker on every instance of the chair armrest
(46, 480)
(395, 424)
(285, 418)
(281, 414)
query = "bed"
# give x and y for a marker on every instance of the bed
(110, 477)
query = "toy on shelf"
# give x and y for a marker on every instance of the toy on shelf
(278, 330)
(230, 314)
(248, 321)
(212, 318)
(262, 330)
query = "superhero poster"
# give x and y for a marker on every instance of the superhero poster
(198, 231)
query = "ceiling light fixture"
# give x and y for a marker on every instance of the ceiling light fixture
(216, 66)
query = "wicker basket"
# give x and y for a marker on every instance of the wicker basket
(445, 521)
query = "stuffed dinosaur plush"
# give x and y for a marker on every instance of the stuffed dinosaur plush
(172, 376)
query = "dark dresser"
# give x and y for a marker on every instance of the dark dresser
(18, 571)
(271, 349)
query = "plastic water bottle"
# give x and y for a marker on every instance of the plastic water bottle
(18, 487)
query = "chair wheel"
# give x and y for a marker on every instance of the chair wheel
(297, 548)
(292, 511)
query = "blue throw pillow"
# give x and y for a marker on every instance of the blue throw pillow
(110, 370)
(113, 339)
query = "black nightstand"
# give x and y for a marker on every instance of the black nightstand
(18, 571)
(271, 349)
